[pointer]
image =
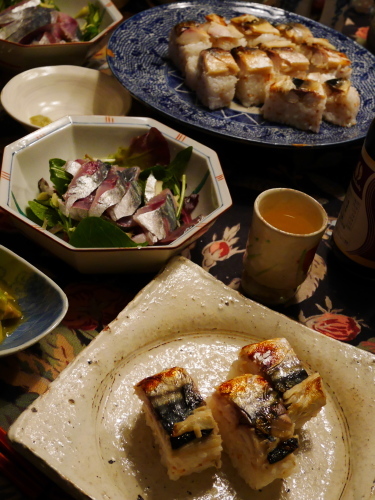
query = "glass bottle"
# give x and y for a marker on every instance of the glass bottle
(353, 238)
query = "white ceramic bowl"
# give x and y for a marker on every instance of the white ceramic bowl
(25, 162)
(16, 57)
(42, 303)
(57, 91)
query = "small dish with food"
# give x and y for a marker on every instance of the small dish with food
(54, 32)
(112, 194)
(31, 304)
(39, 96)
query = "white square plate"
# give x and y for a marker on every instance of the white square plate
(88, 432)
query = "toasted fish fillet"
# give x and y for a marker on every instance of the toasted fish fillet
(256, 430)
(296, 32)
(288, 61)
(295, 102)
(186, 40)
(256, 30)
(182, 423)
(305, 400)
(303, 394)
(255, 74)
(217, 77)
(324, 59)
(222, 35)
(342, 104)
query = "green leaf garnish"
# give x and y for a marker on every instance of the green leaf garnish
(60, 178)
(94, 232)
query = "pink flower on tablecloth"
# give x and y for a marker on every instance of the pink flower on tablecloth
(93, 306)
(333, 323)
(220, 250)
(337, 326)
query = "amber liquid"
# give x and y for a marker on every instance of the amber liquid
(293, 216)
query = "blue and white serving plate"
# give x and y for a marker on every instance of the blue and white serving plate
(42, 302)
(138, 57)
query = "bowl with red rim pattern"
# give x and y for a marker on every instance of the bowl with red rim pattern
(26, 161)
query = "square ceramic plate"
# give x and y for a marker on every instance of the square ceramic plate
(89, 433)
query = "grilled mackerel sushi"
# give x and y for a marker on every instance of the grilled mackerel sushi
(255, 74)
(257, 433)
(255, 30)
(223, 35)
(342, 104)
(324, 59)
(217, 78)
(303, 394)
(288, 61)
(295, 102)
(296, 32)
(186, 40)
(182, 423)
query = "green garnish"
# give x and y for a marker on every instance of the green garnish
(93, 18)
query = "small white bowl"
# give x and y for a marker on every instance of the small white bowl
(17, 57)
(26, 161)
(57, 91)
(42, 303)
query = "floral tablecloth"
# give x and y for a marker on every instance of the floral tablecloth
(331, 301)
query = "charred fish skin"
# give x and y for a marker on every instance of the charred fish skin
(257, 433)
(303, 394)
(182, 423)
(173, 397)
(258, 405)
(275, 360)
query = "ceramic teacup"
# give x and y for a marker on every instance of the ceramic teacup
(286, 228)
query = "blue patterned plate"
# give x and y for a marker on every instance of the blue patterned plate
(41, 301)
(138, 57)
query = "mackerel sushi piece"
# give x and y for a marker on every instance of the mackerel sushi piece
(217, 78)
(186, 41)
(296, 32)
(288, 61)
(324, 59)
(305, 400)
(182, 424)
(303, 394)
(255, 30)
(257, 432)
(158, 218)
(255, 74)
(296, 102)
(223, 35)
(275, 360)
(342, 104)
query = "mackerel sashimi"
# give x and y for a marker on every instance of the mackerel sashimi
(138, 192)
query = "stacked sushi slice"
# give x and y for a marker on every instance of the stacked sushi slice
(183, 426)
(294, 77)
(255, 415)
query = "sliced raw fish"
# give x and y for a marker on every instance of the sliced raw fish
(87, 179)
(158, 218)
(72, 166)
(131, 198)
(109, 193)
(80, 208)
